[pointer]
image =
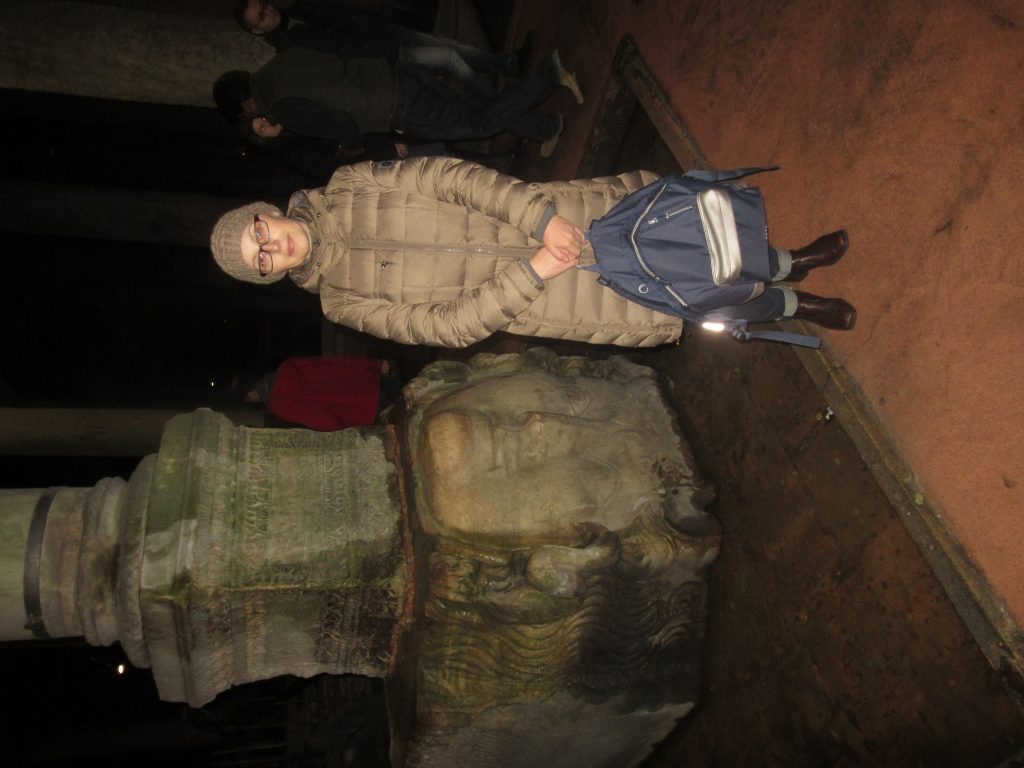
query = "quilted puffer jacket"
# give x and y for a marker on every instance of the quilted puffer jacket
(435, 251)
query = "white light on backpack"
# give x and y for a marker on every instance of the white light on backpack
(714, 326)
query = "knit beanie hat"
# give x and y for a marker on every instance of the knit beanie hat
(226, 242)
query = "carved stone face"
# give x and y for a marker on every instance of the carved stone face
(561, 571)
(528, 456)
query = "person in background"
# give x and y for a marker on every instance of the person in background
(332, 27)
(318, 157)
(319, 95)
(324, 393)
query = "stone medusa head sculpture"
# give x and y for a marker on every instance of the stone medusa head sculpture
(562, 545)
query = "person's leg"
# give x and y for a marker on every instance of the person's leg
(446, 61)
(838, 314)
(823, 252)
(566, 78)
(534, 126)
(780, 263)
(474, 59)
(437, 59)
(432, 110)
(547, 148)
(776, 303)
(425, 109)
(513, 109)
(780, 302)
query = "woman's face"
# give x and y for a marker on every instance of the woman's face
(286, 244)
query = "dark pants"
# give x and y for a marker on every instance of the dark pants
(464, 60)
(434, 109)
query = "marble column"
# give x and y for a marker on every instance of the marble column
(232, 555)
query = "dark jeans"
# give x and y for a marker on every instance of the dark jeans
(457, 59)
(431, 109)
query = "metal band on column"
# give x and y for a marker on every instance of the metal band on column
(33, 562)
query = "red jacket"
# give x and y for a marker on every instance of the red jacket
(327, 393)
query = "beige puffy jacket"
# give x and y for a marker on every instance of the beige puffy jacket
(435, 250)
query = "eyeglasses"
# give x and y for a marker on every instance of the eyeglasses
(264, 260)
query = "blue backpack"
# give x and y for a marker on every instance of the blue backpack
(688, 245)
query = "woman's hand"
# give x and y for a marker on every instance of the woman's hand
(564, 239)
(547, 265)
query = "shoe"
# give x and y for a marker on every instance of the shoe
(837, 314)
(566, 78)
(521, 55)
(823, 252)
(547, 149)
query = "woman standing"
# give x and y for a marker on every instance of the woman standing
(445, 252)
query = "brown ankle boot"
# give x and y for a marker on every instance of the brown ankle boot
(837, 314)
(823, 252)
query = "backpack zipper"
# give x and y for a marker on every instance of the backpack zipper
(636, 249)
(669, 215)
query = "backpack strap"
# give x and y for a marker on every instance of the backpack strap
(590, 267)
(736, 173)
(738, 329)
